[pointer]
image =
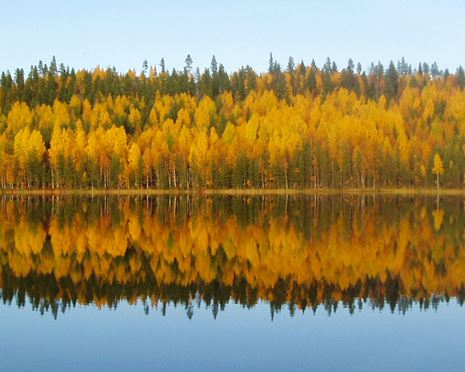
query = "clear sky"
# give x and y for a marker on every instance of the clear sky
(117, 33)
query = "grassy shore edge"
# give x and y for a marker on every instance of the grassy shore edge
(231, 192)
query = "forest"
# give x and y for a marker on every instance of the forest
(299, 126)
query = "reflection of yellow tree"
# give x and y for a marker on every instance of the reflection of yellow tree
(341, 254)
(438, 215)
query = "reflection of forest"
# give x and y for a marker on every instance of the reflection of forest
(296, 252)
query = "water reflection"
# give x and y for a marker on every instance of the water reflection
(291, 252)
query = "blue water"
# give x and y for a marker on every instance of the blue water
(91, 339)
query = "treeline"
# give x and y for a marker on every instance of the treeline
(296, 127)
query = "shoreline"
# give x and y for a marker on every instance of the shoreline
(232, 192)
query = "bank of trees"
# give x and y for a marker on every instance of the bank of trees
(299, 127)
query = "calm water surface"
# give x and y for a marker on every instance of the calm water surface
(232, 283)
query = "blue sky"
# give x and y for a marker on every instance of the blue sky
(123, 33)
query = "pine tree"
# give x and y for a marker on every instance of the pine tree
(391, 83)
(188, 64)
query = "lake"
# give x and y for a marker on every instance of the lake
(310, 282)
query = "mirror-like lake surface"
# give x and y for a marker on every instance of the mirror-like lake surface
(232, 283)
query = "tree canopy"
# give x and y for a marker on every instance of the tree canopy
(295, 127)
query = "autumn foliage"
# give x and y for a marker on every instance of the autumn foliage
(305, 127)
